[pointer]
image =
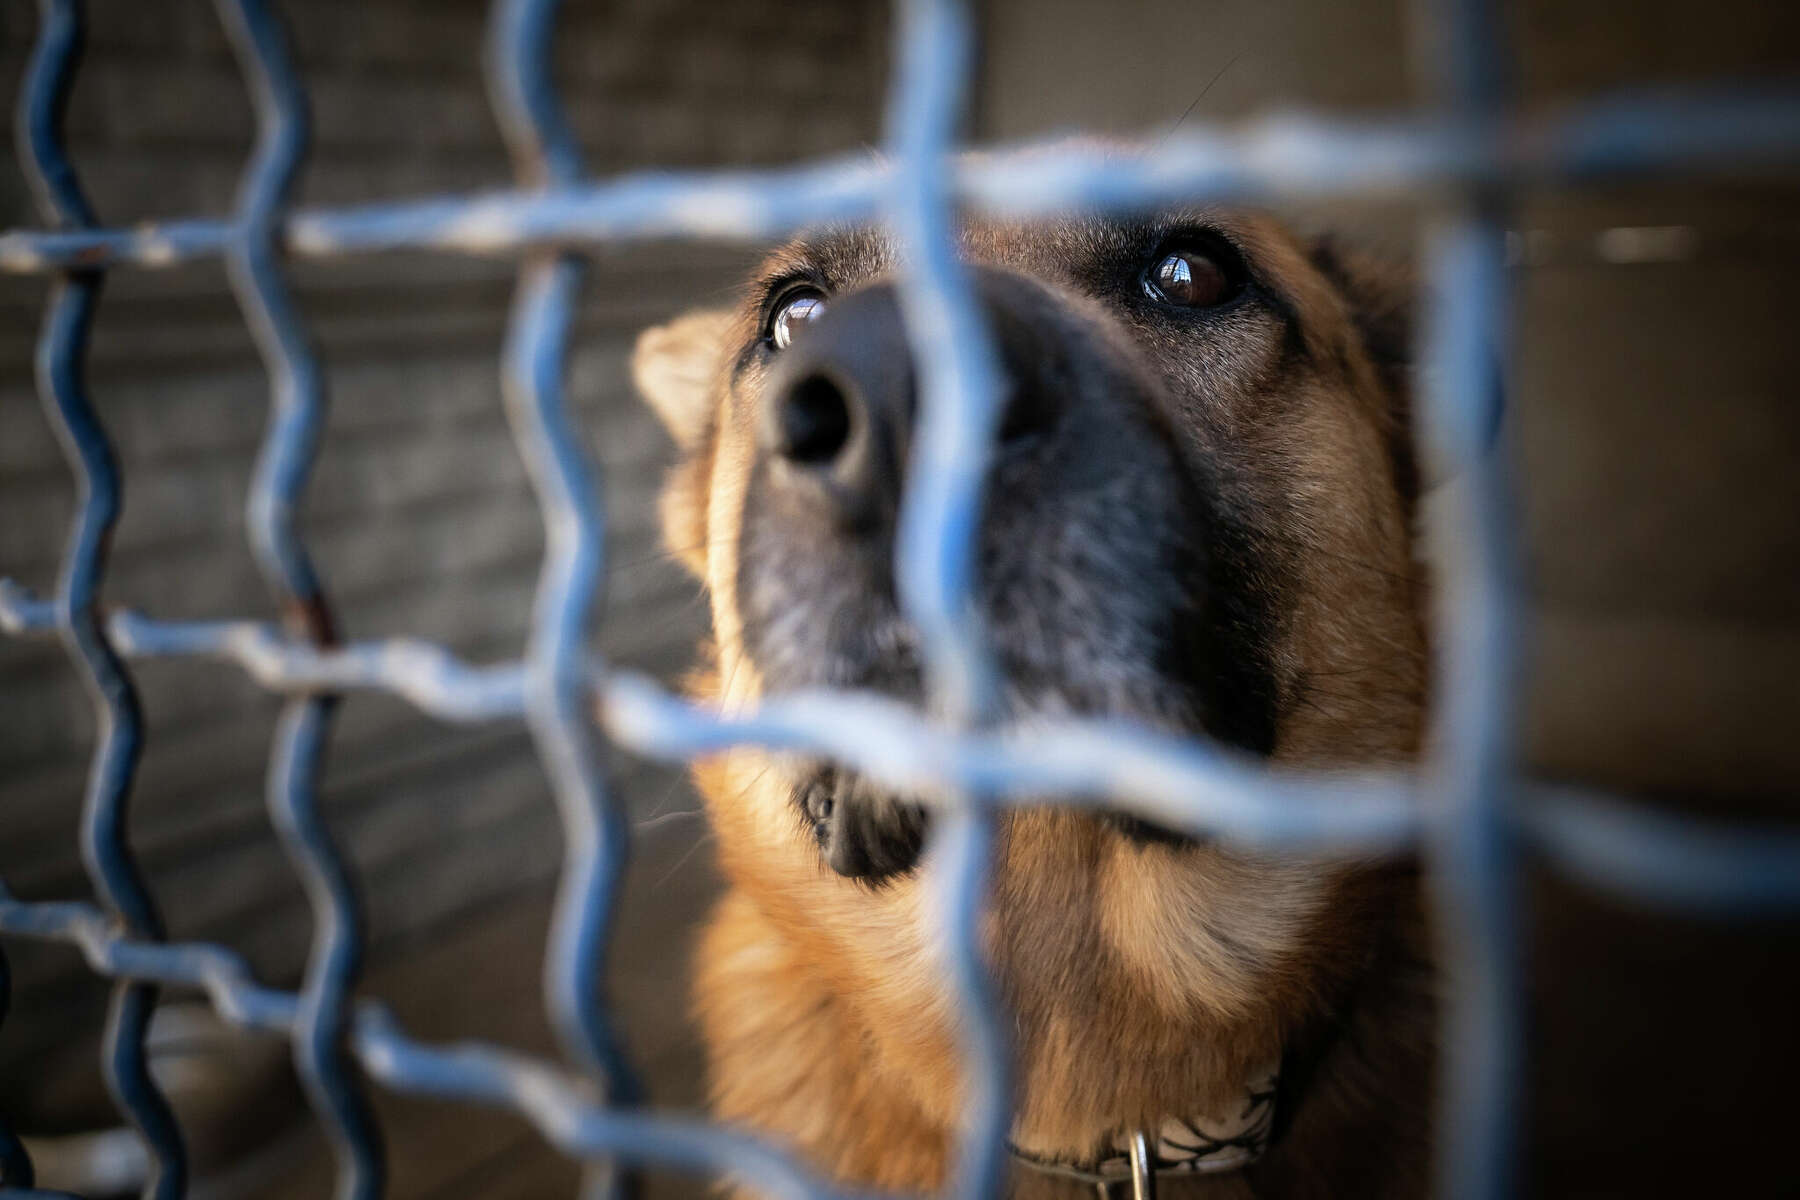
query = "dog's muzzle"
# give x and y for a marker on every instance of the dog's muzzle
(1091, 556)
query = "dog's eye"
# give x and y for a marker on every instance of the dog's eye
(794, 310)
(1189, 278)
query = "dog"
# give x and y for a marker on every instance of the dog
(1199, 516)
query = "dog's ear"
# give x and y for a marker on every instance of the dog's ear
(675, 366)
(1381, 300)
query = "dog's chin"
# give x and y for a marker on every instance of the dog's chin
(875, 835)
(869, 833)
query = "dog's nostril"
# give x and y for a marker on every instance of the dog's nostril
(1027, 411)
(814, 421)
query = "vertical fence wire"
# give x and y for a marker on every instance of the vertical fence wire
(1475, 873)
(558, 657)
(60, 363)
(1472, 844)
(936, 543)
(283, 467)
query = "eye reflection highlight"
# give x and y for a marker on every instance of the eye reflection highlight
(794, 312)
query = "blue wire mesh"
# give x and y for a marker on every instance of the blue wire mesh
(1465, 808)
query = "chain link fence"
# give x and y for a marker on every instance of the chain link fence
(1466, 808)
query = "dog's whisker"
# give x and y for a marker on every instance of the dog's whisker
(668, 792)
(681, 862)
(653, 823)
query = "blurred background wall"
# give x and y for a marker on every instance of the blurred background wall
(1657, 433)
(1654, 419)
(420, 517)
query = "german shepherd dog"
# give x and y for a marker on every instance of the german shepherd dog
(1199, 516)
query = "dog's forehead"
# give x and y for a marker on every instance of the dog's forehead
(1060, 248)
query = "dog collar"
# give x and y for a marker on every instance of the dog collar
(1210, 1144)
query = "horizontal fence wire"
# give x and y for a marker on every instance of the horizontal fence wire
(1693, 130)
(1465, 809)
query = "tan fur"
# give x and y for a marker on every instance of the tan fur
(1144, 980)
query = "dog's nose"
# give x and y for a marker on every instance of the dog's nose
(839, 409)
(840, 405)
